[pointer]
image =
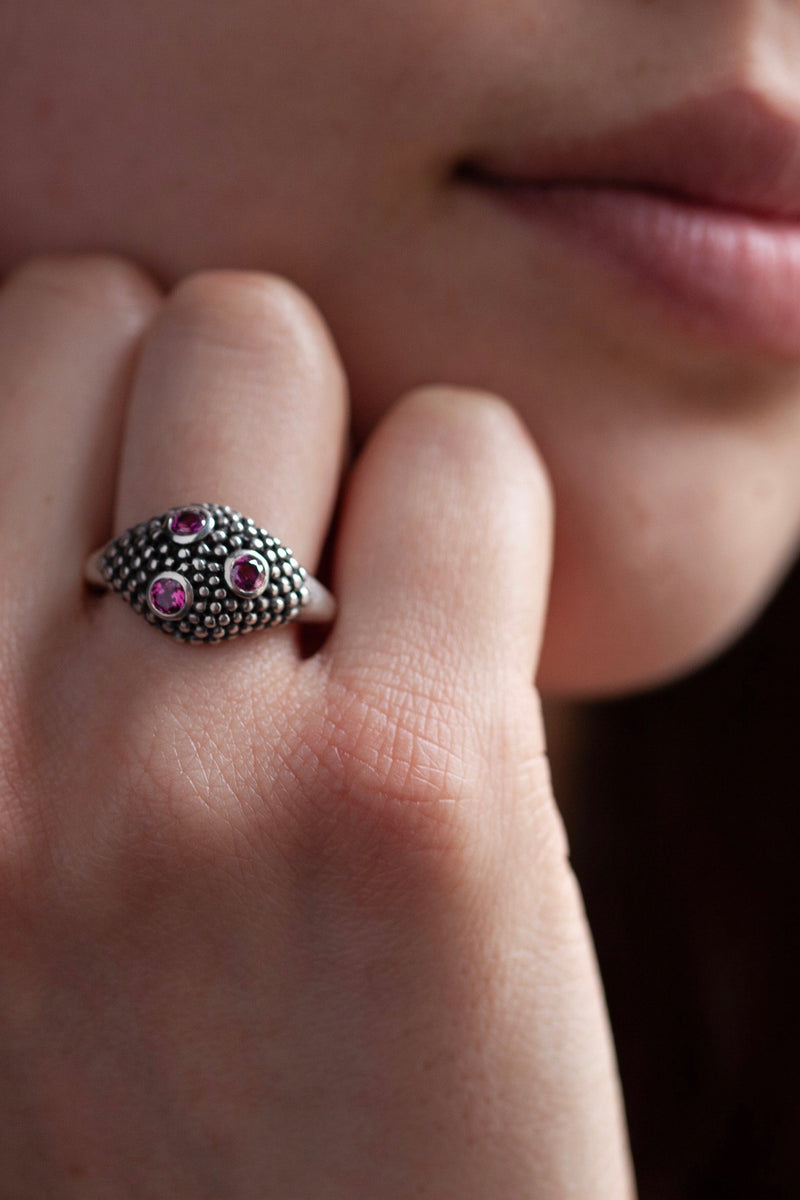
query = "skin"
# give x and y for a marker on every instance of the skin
(305, 925)
(273, 924)
(673, 457)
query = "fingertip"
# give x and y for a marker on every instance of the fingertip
(260, 312)
(446, 532)
(482, 425)
(113, 286)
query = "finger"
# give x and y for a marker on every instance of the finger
(240, 399)
(445, 539)
(69, 330)
(442, 574)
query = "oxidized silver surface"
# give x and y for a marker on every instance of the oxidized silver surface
(214, 608)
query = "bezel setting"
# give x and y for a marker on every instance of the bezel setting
(181, 581)
(187, 538)
(250, 557)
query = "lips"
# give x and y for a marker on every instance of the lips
(699, 207)
(734, 149)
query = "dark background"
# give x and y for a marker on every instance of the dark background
(686, 845)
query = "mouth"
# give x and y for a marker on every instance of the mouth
(698, 208)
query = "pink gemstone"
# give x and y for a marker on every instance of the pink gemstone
(167, 597)
(247, 574)
(187, 522)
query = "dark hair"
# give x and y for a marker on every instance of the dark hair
(686, 844)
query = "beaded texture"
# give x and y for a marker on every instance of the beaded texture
(152, 566)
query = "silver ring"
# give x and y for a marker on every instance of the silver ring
(205, 573)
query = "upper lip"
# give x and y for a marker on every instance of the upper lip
(735, 149)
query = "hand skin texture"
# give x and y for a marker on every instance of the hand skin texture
(272, 924)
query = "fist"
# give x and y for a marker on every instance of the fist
(278, 918)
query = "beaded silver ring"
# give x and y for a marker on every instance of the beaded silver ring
(205, 573)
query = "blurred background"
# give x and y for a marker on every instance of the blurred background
(685, 840)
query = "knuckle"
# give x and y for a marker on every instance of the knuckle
(251, 312)
(403, 808)
(400, 742)
(171, 768)
(402, 769)
(396, 777)
(108, 283)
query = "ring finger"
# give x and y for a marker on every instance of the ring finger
(239, 400)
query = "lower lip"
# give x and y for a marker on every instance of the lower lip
(734, 275)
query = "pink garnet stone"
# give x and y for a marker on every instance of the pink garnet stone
(167, 597)
(247, 574)
(187, 522)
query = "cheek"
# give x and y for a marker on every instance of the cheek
(197, 140)
(668, 542)
(676, 474)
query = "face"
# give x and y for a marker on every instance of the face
(366, 151)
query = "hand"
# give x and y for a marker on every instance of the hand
(274, 925)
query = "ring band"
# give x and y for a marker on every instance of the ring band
(205, 573)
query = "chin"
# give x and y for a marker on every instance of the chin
(609, 636)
